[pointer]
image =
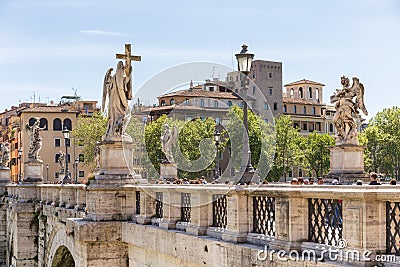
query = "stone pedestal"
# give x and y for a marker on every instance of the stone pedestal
(5, 176)
(33, 172)
(347, 163)
(168, 171)
(116, 164)
(107, 198)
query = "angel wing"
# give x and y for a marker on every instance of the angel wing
(174, 135)
(360, 97)
(106, 88)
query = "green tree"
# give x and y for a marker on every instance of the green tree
(315, 152)
(261, 140)
(195, 150)
(88, 132)
(383, 141)
(287, 148)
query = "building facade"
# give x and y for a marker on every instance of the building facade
(53, 119)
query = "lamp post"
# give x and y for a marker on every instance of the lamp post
(66, 179)
(244, 59)
(217, 136)
(47, 172)
(20, 164)
(76, 170)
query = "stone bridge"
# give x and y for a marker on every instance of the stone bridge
(195, 225)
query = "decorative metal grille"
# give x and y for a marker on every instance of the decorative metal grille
(137, 202)
(159, 204)
(393, 228)
(264, 215)
(219, 211)
(325, 221)
(185, 207)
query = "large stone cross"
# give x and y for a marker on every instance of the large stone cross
(128, 56)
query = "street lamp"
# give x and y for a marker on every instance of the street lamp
(65, 132)
(244, 59)
(47, 172)
(76, 170)
(20, 164)
(217, 136)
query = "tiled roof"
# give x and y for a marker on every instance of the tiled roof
(201, 93)
(290, 100)
(304, 81)
(50, 109)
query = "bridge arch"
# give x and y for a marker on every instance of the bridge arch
(63, 258)
(60, 248)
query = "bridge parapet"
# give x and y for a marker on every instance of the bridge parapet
(364, 218)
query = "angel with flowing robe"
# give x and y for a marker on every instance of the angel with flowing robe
(348, 101)
(118, 89)
(168, 138)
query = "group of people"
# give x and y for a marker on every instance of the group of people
(301, 181)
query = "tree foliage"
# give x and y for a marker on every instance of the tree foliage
(382, 141)
(88, 132)
(195, 149)
(287, 148)
(261, 139)
(315, 152)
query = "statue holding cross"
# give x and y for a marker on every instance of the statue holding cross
(118, 89)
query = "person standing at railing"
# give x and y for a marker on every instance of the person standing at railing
(374, 179)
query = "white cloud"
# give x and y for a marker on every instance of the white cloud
(99, 32)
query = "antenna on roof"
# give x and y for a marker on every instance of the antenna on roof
(213, 72)
(75, 90)
(233, 65)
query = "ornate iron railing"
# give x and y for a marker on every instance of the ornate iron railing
(185, 207)
(159, 204)
(219, 210)
(137, 202)
(393, 228)
(264, 215)
(325, 221)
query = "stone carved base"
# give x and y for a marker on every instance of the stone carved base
(168, 171)
(33, 172)
(116, 164)
(5, 176)
(347, 164)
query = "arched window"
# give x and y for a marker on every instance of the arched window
(313, 110)
(67, 124)
(304, 110)
(57, 125)
(186, 102)
(284, 91)
(317, 94)
(310, 92)
(284, 108)
(330, 127)
(295, 109)
(301, 92)
(43, 124)
(162, 103)
(172, 101)
(291, 92)
(229, 103)
(32, 121)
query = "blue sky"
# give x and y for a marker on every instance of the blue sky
(48, 47)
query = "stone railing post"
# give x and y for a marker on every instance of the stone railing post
(200, 212)
(364, 223)
(238, 216)
(171, 208)
(147, 206)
